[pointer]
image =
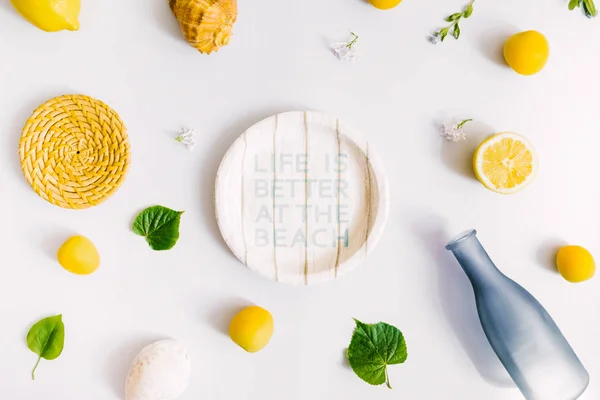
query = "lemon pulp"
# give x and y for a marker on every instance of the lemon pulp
(505, 163)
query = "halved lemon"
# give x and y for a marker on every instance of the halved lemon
(505, 162)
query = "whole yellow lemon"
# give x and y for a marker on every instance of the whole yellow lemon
(78, 255)
(385, 4)
(575, 263)
(50, 15)
(251, 328)
(527, 52)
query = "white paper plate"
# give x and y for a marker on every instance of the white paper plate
(279, 189)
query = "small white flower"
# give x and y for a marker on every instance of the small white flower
(345, 50)
(454, 132)
(435, 38)
(187, 138)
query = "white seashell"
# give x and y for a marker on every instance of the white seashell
(161, 371)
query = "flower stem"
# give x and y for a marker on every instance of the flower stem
(35, 367)
(461, 123)
(351, 43)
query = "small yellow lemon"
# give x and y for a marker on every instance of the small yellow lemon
(50, 15)
(526, 52)
(575, 263)
(384, 4)
(251, 328)
(78, 255)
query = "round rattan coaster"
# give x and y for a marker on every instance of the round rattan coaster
(74, 151)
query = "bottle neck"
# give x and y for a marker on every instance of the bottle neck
(472, 257)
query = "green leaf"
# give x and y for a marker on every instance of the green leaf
(589, 8)
(454, 17)
(160, 226)
(573, 4)
(46, 338)
(373, 348)
(456, 31)
(443, 33)
(468, 11)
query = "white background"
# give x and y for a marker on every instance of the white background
(129, 53)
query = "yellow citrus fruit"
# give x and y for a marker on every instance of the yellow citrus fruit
(251, 328)
(575, 263)
(78, 255)
(526, 52)
(384, 4)
(50, 15)
(505, 163)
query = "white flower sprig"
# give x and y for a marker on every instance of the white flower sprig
(454, 132)
(345, 50)
(187, 138)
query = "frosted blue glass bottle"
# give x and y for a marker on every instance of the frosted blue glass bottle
(526, 339)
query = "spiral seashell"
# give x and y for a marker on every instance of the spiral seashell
(205, 24)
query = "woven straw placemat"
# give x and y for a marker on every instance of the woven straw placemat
(74, 151)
